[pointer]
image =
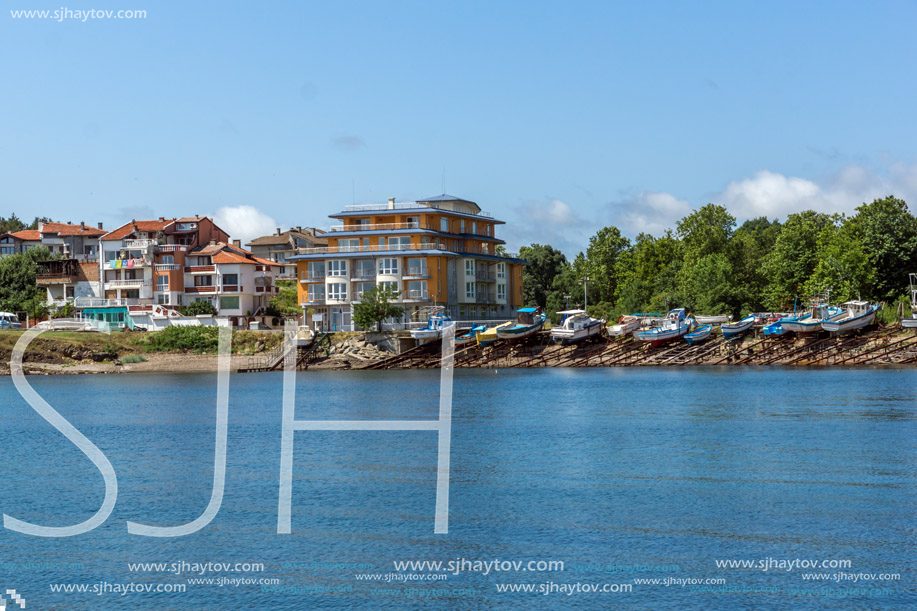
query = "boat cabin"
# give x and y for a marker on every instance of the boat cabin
(526, 316)
(856, 308)
(575, 319)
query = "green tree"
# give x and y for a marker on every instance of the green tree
(647, 273)
(749, 248)
(544, 264)
(706, 231)
(196, 308)
(794, 258)
(602, 254)
(843, 264)
(888, 233)
(286, 301)
(376, 306)
(18, 291)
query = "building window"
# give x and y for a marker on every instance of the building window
(417, 289)
(316, 292)
(361, 287)
(338, 291)
(389, 284)
(388, 267)
(463, 226)
(443, 224)
(413, 222)
(469, 290)
(337, 267)
(474, 227)
(316, 269)
(203, 281)
(364, 268)
(162, 283)
(469, 267)
(204, 261)
(229, 303)
(501, 292)
(162, 299)
(167, 259)
(399, 243)
(417, 267)
(501, 270)
(231, 279)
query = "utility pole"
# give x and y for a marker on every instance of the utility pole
(566, 301)
(585, 295)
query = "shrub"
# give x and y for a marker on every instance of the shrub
(188, 339)
(134, 358)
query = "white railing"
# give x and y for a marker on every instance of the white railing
(367, 248)
(167, 267)
(139, 243)
(127, 283)
(171, 248)
(409, 206)
(375, 227)
(92, 302)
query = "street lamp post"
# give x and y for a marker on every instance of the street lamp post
(566, 301)
(585, 295)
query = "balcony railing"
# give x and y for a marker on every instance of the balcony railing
(54, 278)
(171, 248)
(416, 272)
(196, 290)
(363, 274)
(128, 283)
(139, 243)
(483, 276)
(312, 276)
(378, 227)
(273, 290)
(367, 248)
(315, 301)
(407, 206)
(91, 302)
(167, 267)
(416, 295)
(230, 288)
(200, 269)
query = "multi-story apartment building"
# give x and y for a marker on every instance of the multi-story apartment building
(236, 282)
(438, 251)
(75, 272)
(281, 245)
(143, 262)
(11, 243)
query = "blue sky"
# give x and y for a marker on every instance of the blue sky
(557, 117)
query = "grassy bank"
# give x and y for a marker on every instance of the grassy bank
(63, 347)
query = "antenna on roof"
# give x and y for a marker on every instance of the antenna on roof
(353, 191)
(444, 180)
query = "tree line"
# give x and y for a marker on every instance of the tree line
(14, 223)
(710, 265)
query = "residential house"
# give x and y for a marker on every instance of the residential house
(281, 245)
(73, 272)
(441, 250)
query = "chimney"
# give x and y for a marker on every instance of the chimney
(82, 226)
(162, 219)
(391, 203)
(213, 242)
(237, 243)
(100, 225)
(278, 231)
(41, 225)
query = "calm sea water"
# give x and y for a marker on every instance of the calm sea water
(639, 469)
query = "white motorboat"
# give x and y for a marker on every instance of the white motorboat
(626, 325)
(858, 314)
(712, 320)
(577, 325)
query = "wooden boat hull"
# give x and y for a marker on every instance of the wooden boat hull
(844, 324)
(736, 329)
(713, 320)
(699, 336)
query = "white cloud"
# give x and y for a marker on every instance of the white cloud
(244, 222)
(648, 212)
(552, 222)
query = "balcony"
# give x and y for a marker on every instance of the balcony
(368, 248)
(201, 269)
(134, 283)
(139, 244)
(91, 302)
(312, 277)
(415, 296)
(407, 206)
(171, 248)
(270, 290)
(363, 274)
(484, 276)
(420, 273)
(167, 267)
(200, 290)
(230, 288)
(312, 302)
(377, 227)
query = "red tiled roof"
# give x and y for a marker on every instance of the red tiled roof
(69, 229)
(129, 228)
(30, 235)
(226, 255)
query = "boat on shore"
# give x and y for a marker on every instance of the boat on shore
(577, 325)
(489, 335)
(470, 336)
(712, 320)
(911, 323)
(626, 325)
(435, 324)
(9, 321)
(700, 335)
(672, 326)
(528, 322)
(811, 322)
(736, 329)
(858, 314)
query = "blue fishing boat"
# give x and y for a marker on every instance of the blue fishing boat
(528, 322)
(811, 321)
(672, 326)
(471, 336)
(699, 335)
(435, 324)
(736, 329)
